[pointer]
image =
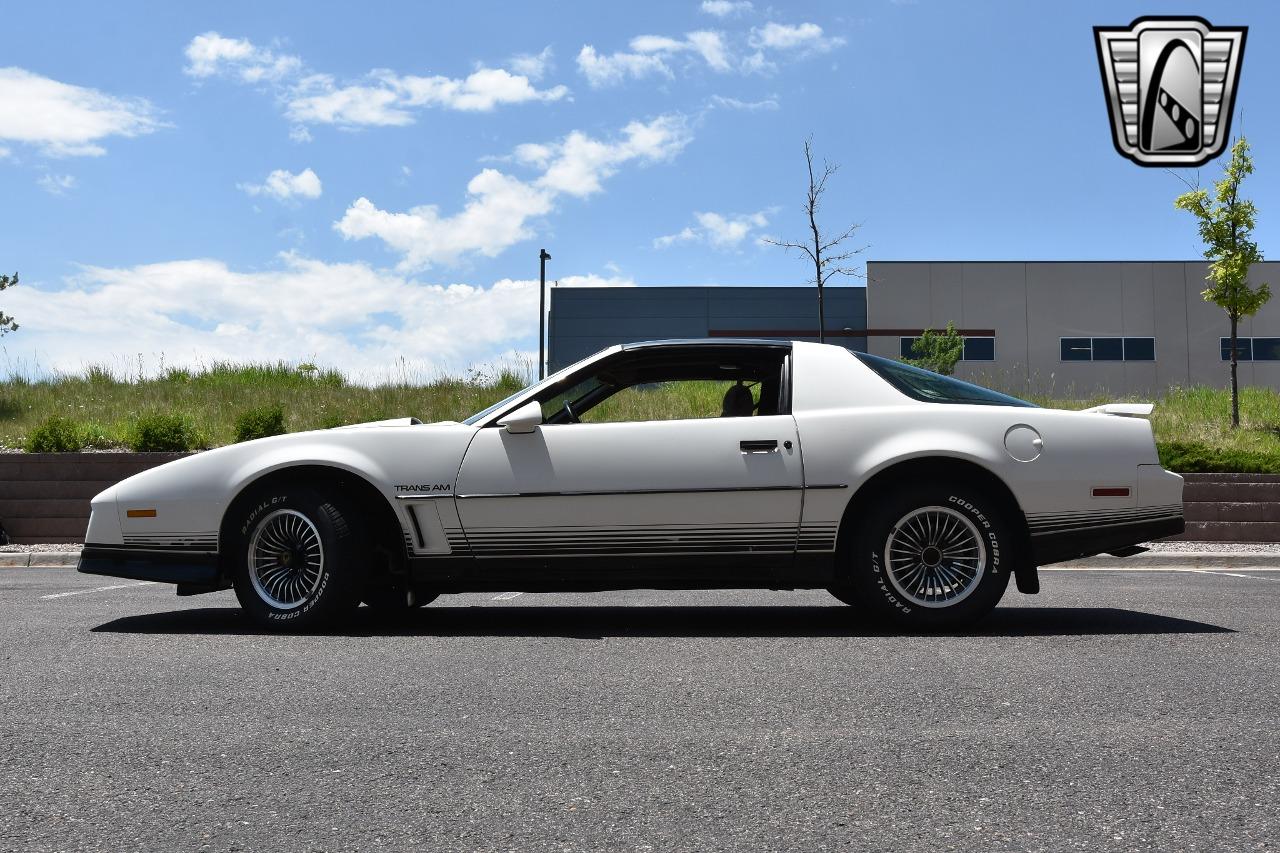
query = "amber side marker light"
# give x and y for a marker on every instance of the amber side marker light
(1111, 493)
(140, 513)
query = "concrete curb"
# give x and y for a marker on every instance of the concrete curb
(1147, 561)
(39, 560)
(1158, 560)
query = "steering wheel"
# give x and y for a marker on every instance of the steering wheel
(568, 410)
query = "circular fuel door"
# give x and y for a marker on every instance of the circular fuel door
(1023, 443)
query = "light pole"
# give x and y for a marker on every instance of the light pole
(543, 257)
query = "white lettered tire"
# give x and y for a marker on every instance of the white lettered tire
(298, 553)
(934, 555)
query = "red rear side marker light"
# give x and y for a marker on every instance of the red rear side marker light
(1111, 493)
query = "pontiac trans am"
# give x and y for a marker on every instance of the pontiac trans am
(909, 495)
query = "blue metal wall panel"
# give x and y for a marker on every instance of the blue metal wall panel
(583, 320)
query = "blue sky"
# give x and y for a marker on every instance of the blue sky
(359, 184)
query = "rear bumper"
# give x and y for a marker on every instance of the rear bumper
(180, 567)
(1055, 544)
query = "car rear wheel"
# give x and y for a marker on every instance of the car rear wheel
(299, 553)
(928, 556)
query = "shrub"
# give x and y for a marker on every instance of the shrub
(163, 432)
(1190, 457)
(56, 435)
(260, 423)
(97, 436)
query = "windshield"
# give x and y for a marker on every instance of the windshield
(935, 388)
(559, 375)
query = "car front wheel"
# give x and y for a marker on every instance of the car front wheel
(299, 550)
(928, 556)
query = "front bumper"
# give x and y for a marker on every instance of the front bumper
(181, 567)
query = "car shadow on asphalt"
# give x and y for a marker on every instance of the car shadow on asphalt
(684, 621)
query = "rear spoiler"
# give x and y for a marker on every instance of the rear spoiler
(1128, 410)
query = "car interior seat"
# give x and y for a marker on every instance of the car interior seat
(738, 402)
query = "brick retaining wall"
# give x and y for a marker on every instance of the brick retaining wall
(44, 497)
(1232, 507)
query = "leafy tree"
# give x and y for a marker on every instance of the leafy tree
(823, 251)
(1226, 226)
(6, 322)
(938, 351)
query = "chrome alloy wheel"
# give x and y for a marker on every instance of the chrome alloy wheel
(936, 556)
(286, 559)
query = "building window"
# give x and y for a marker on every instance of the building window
(1109, 349)
(1252, 349)
(1077, 349)
(975, 348)
(1139, 349)
(979, 349)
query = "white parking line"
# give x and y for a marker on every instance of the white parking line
(1232, 574)
(507, 596)
(1169, 569)
(98, 589)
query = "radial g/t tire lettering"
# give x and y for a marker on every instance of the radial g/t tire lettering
(934, 555)
(298, 555)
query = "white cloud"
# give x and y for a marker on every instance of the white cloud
(56, 184)
(65, 120)
(4, 152)
(725, 8)
(212, 54)
(650, 56)
(605, 70)
(710, 45)
(494, 217)
(380, 98)
(533, 65)
(747, 53)
(283, 185)
(318, 100)
(480, 91)
(717, 230)
(769, 103)
(806, 38)
(348, 315)
(499, 207)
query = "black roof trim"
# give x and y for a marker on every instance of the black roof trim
(714, 342)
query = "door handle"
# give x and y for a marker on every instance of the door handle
(769, 446)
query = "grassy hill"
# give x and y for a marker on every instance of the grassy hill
(1191, 425)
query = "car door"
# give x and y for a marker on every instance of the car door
(719, 487)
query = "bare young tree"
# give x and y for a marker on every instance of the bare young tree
(827, 254)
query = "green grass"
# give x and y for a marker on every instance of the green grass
(1191, 425)
(1202, 416)
(108, 406)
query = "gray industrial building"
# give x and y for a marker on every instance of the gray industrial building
(1069, 328)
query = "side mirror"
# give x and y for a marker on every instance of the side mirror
(524, 419)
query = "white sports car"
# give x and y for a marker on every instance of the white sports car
(910, 495)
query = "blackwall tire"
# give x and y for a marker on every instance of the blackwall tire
(934, 555)
(298, 554)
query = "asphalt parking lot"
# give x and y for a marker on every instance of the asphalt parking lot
(1117, 710)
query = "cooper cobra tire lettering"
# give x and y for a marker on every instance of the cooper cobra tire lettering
(342, 539)
(867, 583)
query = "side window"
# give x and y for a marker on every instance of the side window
(677, 400)
(676, 383)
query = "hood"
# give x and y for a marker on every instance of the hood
(396, 422)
